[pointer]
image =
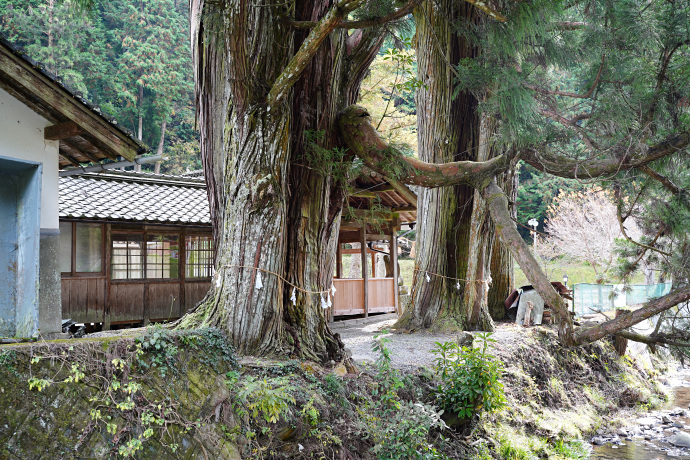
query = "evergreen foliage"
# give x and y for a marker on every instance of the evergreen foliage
(130, 58)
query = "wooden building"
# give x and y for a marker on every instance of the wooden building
(377, 208)
(44, 127)
(134, 247)
(138, 247)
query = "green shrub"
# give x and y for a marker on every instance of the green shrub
(399, 429)
(404, 434)
(269, 398)
(470, 378)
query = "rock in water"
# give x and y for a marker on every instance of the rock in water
(681, 439)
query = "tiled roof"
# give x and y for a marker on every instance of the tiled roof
(135, 197)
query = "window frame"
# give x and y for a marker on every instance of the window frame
(213, 255)
(73, 252)
(145, 232)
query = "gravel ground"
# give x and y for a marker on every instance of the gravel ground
(409, 351)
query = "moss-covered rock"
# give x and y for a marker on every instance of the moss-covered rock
(106, 398)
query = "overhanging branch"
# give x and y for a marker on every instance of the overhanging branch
(309, 47)
(365, 23)
(364, 141)
(590, 168)
(628, 319)
(650, 339)
(681, 193)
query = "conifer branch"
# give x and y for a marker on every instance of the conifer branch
(587, 95)
(621, 224)
(573, 168)
(568, 123)
(681, 193)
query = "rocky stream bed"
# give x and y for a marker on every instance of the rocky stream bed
(657, 435)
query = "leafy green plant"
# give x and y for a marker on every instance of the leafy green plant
(389, 380)
(405, 433)
(470, 378)
(269, 398)
(159, 344)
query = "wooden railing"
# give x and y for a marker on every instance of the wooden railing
(349, 296)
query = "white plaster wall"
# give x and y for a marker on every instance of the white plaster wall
(21, 136)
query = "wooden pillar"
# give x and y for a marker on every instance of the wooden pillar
(365, 272)
(393, 249)
(339, 260)
(182, 270)
(108, 276)
(373, 265)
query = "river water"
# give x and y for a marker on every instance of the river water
(652, 436)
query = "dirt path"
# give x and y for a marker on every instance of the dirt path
(409, 351)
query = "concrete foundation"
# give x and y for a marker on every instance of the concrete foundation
(50, 304)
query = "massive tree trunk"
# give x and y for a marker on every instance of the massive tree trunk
(448, 130)
(317, 191)
(276, 218)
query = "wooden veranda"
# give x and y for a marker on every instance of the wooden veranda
(376, 210)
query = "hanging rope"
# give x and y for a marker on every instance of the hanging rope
(488, 280)
(306, 291)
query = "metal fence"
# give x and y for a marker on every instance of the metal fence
(602, 297)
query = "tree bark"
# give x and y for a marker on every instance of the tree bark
(362, 139)
(271, 209)
(454, 231)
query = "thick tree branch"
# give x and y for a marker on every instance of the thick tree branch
(365, 23)
(681, 193)
(590, 168)
(362, 139)
(628, 319)
(481, 5)
(309, 47)
(497, 203)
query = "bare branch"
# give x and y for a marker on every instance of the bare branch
(651, 339)
(569, 124)
(681, 193)
(628, 319)
(311, 44)
(577, 169)
(481, 4)
(365, 23)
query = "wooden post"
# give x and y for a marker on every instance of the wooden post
(393, 250)
(182, 270)
(365, 272)
(339, 260)
(373, 264)
(108, 276)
